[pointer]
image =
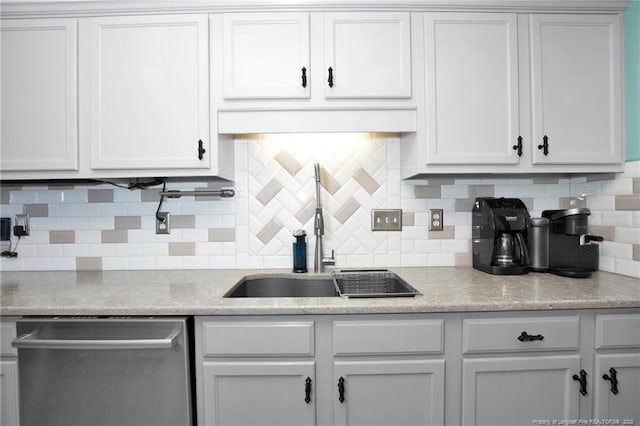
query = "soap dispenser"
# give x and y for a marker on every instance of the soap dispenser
(300, 251)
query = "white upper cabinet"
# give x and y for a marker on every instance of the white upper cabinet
(519, 93)
(147, 91)
(576, 88)
(367, 55)
(266, 55)
(38, 94)
(471, 66)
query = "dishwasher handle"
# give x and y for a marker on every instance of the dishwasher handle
(31, 341)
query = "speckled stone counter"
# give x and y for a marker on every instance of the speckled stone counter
(200, 292)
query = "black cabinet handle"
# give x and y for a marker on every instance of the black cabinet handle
(330, 80)
(201, 149)
(307, 390)
(613, 378)
(341, 390)
(304, 77)
(545, 145)
(582, 379)
(526, 337)
(518, 146)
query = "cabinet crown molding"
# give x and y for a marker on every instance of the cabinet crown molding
(28, 8)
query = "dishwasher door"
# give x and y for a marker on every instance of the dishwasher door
(104, 371)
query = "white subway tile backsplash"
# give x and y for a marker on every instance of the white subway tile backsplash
(627, 235)
(627, 267)
(615, 218)
(359, 173)
(616, 250)
(441, 259)
(23, 197)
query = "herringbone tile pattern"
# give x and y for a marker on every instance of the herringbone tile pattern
(281, 193)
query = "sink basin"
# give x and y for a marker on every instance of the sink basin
(278, 286)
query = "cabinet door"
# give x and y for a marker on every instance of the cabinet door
(148, 89)
(622, 405)
(369, 55)
(9, 409)
(471, 65)
(266, 55)
(516, 391)
(400, 392)
(259, 393)
(576, 88)
(38, 93)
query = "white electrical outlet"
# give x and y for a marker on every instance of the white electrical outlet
(163, 223)
(21, 227)
(436, 220)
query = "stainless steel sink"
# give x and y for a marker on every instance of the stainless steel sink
(283, 286)
(349, 283)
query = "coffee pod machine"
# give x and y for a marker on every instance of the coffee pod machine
(499, 233)
(571, 250)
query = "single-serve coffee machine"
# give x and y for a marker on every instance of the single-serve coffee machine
(571, 251)
(499, 233)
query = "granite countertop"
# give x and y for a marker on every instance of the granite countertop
(199, 292)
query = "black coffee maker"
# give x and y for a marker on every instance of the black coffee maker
(499, 232)
(571, 251)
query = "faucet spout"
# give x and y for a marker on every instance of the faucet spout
(318, 225)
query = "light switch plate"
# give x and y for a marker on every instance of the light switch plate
(386, 220)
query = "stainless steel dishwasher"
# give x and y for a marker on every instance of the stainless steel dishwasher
(104, 371)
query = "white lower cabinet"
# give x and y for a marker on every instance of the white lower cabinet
(391, 392)
(470, 369)
(9, 409)
(616, 375)
(9, 389)
(259, 393)
(513, 391)
(617, 387)
(319, 370)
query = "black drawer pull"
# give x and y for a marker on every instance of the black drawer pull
(341, 390)
(304, 77)
(613, 378)
(307, 390)
(582, 379)
(330, 80)
(526, 337)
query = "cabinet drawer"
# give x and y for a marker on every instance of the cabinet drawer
(258, 338)
(387, 337)
(506, 334)
(617, 331)
(7, 334)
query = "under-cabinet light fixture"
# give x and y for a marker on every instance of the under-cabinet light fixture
(224, 193)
